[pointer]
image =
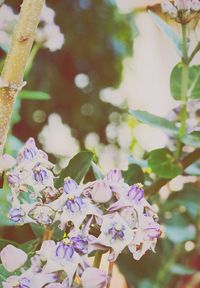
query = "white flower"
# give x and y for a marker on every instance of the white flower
(56, 138)
(145, 237)
(47, 15)
(115, 233)
(51, 37)
(12, 258)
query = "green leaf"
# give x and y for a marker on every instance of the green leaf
(34, 95)
(192, 139)
(97, 172)
(5, 242)
(168, 31)
(154, 121)
(162, 163)
(133, 175)
(38, 230)
(181, 270)
(30, 246)
(193, 83)
(3, 274)
(77, 168)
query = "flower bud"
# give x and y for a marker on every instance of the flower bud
(70, 186)
(12, 258)
(114, 175)
(94, 278)
(101, 192)
(183, 4)
(169, 8)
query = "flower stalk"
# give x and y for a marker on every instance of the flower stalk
(15, 63)
(97, 259)
(184, 81)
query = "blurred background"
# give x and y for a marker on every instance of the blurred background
(112, 57)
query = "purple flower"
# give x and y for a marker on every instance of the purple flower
(74, 203)
(116, 231)
(16, 215)
(24, 283)
(29, 151)
(80, 244)
(65, 250)
(135, 193)
(40, 174)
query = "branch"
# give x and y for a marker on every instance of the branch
(17, 57)
(195, 51)
(185, 162)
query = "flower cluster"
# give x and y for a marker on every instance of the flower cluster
(48, 35)
(181, 10)
(106, 215)
(53, 266)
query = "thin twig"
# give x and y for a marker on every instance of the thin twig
(194, 52)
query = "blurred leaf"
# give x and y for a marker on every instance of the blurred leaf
(180, 234)
(168, 31)
(188, 198)
(97, 172)
(194, 169)
(182, 270)
(145, 284)
(77, 168)
(154, 121)
(162, 163)
(133, 175)
(192, 139)
(194, 82)
(34, 95)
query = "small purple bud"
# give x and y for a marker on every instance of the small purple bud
(14, 179)
(70, 186)
(135, 193)
(16, 215)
